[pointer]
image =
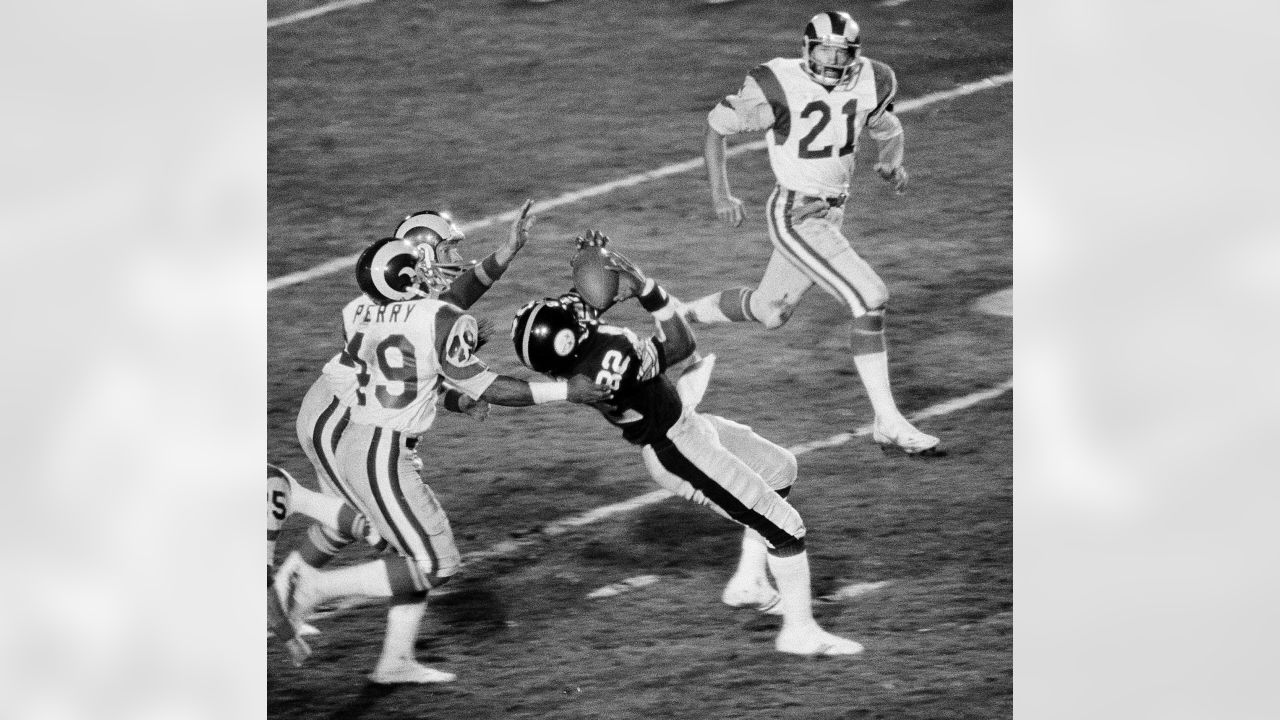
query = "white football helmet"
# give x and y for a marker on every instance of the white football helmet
(840, 39)
(437, 238)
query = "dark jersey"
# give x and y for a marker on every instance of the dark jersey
(644, 403)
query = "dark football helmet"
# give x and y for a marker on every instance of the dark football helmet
(548, 336)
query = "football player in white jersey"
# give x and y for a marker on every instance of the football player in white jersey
(813, 109)
(405, 347)
(285, 497)
(325, 410)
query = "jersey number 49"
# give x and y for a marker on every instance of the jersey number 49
(403, 370)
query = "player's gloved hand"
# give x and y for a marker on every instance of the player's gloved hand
(813, 209)
(631, 279)
(518, 237)
(584, 391)
(729, 209)
(591, 238)
(478, 409)
(897, 176)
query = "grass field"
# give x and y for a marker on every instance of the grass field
(390, 107)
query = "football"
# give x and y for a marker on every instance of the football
(596, 283)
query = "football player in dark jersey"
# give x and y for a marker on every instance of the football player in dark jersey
(698, 456)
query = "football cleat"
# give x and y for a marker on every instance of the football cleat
(903, 437)
(832, 41)
(755, 593)
(409, 672)
(294, 586)
(814, 641)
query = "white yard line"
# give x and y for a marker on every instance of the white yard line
(341, 263)
(304, 14)
(510, 547)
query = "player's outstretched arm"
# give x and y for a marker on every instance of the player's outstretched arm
(475, 282)
(674, 332)
(518, 236)
(891, 141)
(513, 392)
(459, 402)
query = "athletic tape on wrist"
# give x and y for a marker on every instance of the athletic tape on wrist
(654, 299)
(545, 392)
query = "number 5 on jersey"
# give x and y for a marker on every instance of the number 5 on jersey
(612, 366)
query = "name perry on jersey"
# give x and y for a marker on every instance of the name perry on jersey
(370, 312)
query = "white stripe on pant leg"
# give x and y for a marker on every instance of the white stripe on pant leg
(773, 209)
(812, 264)
(833, 283)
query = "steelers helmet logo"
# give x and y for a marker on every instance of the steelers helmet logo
(564, 342)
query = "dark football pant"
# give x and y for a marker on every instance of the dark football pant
(726, 466)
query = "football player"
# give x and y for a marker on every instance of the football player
(700, 457)
(285, 497)
(325, 411)
(813, 109)
(404, 346)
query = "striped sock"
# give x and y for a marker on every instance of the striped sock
(868, 334)
(321, 543)
(726, 306)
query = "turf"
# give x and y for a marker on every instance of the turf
(391, 107)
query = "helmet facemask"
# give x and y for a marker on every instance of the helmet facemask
(436, 239)
(830, 60)
(439, 262)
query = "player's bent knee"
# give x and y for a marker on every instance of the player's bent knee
(876, 297)
(434, 576)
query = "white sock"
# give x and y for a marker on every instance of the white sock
(873, 368)
(792, 574)
(707, 309)
(320, 506)
(752, 564)
(366, 579)
(402, 632)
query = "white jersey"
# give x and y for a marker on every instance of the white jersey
(279, 498)
(398, 355)
(812, 129)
